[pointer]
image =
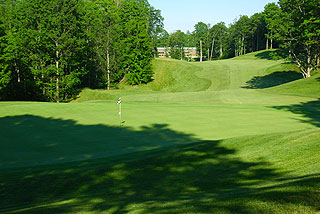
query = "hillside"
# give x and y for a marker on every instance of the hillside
(236, 81)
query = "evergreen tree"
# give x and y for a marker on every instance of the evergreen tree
(137, 41)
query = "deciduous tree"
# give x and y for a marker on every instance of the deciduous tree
(301, 32)
(201, 35)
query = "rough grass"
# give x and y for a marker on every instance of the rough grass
(175, 76)
(230, 136)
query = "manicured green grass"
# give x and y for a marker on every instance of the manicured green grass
(274, 173)
(230, 136)
(46, 133)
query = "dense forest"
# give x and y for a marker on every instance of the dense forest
(50, 50)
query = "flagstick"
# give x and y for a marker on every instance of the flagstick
(120, 116)
(120, 113)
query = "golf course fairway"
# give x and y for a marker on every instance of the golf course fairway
(240, 135)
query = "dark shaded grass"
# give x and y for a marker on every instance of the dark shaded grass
(192, 176)
(176, 182)
(310, 111)
(273, 79)
(29, 140)
(272, 54)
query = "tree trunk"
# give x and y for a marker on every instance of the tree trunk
(239, 47)
(235, 49)
(271, 43)
(307, 68)
(200, 50)
(17, 71)
(242, 45)
(108, 67)
(267, 44)
(43, 84)
(257, 41)
(212, 48)
(57, 81)
(57, 73)
(221, 50)
(108, 58)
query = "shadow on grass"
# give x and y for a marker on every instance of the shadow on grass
(309, 110)
(97, 169)
(272, 55)
(273, 79)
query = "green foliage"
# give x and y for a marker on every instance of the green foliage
(272, 14)
(156, 28)
(177, 42)
(201, 35)
(5, 75)
(51, 49)
(217, 40)
(137, 53)
(162, 40)
(301, 33)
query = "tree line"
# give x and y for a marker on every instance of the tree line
(51, 49)
(291, 25)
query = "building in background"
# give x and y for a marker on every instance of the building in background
(189, 52)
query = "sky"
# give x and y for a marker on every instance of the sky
(184, 14)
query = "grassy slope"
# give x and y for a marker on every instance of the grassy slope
(219, 82)
(216, 137)
(305, 87)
